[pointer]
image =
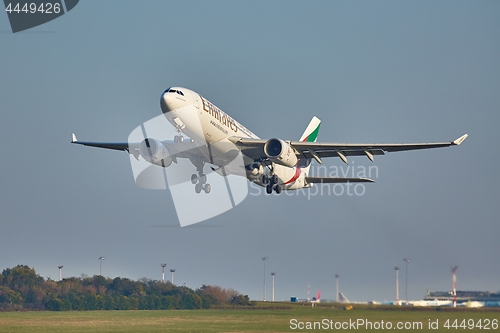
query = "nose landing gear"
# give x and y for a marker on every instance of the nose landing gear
(179, 138)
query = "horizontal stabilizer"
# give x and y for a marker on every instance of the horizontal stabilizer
(336, 180)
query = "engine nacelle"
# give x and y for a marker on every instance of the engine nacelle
(155, 152)
(280, 152)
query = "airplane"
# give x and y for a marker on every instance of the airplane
(435, 302)
(317, 299)
(214, 138)
(343, 299)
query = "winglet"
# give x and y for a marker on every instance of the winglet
(460, 139)
(73, 138)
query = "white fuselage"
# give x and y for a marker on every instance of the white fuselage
(210, 127)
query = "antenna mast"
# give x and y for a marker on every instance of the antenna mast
(454, 272)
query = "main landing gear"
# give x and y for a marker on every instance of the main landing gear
(200, 179)
(200, 183)
(272, 183)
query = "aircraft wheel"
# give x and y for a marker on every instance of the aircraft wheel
(176, 139)
(207, 188)
(203, 178)
(278, 189)
(197, 188)
(194, 178)
(181, 139)
(274, 179)
(264, 180)
(269, 189)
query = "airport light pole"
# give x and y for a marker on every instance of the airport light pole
(454, 272)
(163, 272)
(100, 265)
(407, 261)
(273, 274)
(397, 284)
(337, 288)
(264, 259)
(60, 272)
(172, 270)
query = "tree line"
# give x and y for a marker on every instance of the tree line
(21, 288)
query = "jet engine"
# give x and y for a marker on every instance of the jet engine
(280, 152)
(155, 152)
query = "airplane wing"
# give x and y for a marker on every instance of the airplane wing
(106, 145)
(177, 150)
(254, 148)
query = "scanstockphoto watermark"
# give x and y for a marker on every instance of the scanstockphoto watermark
(355, 324)
(334, 171)
(199, 190)
(367, 324)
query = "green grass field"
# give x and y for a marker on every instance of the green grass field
(267, 318)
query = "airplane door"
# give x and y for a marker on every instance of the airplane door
(196, 101)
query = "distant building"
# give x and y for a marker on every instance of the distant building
(463, 296)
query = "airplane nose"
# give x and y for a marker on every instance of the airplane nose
(174, 98)
(166, 102)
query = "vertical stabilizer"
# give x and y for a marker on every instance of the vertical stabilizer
(309, 135)
(312, 130)
(343, 299)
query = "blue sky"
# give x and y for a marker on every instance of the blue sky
(385, 71)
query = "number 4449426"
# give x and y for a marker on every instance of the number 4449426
(484, 324)
(44, 8)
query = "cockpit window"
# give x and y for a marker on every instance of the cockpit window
(170, 90)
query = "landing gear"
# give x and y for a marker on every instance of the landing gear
(200, 182)
(272, 183)
(269, 189)
(203, 178)
(178, 138)
(200, 179)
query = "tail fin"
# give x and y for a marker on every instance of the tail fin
(309, 135)
(311, 132)
(343, 299)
